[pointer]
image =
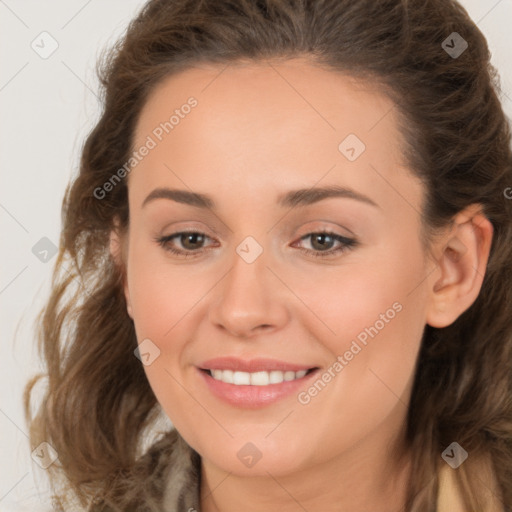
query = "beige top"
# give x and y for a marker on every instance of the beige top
(449, 497)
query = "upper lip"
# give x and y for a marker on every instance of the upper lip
(251, 365)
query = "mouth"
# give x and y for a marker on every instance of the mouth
(259, 378)
(256, 383)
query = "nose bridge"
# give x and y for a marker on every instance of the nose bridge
(248, 298)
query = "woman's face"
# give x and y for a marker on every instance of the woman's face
(262, 280)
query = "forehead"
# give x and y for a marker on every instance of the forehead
(268, 122)
(325, 99)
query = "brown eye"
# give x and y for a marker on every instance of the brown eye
(191, 241)
(322, 241)
(323, 244)
(185, 243)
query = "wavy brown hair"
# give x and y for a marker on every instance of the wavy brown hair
(98, 404)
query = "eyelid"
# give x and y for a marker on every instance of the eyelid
(193, 226)
(327, 227)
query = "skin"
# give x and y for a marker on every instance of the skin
(259, 130)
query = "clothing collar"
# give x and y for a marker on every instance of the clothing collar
(183, 485)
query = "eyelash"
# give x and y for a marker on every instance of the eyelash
(346, 244)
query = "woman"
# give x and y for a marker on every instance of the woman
(291, 234)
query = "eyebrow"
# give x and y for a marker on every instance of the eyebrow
(290, 199)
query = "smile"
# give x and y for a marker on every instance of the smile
(256, 389)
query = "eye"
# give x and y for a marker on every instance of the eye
(191, 243)
(322, 243)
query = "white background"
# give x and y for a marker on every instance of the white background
(47, 108)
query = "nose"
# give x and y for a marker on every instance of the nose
(249, 300)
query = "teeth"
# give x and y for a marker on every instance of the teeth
(257, 378)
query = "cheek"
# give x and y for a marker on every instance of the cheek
(372, 359)
(162, 301)
(166, 300)
(161, 294)
(377, 291)
(372, 314)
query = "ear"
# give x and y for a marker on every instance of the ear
(461, 262)
(118, 244)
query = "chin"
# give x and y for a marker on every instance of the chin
(255, 458)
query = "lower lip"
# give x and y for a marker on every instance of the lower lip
(253, 397)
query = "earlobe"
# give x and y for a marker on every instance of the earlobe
(116, 252)
(461, 266)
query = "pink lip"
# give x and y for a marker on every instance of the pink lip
(251, 366)
(253, 397)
